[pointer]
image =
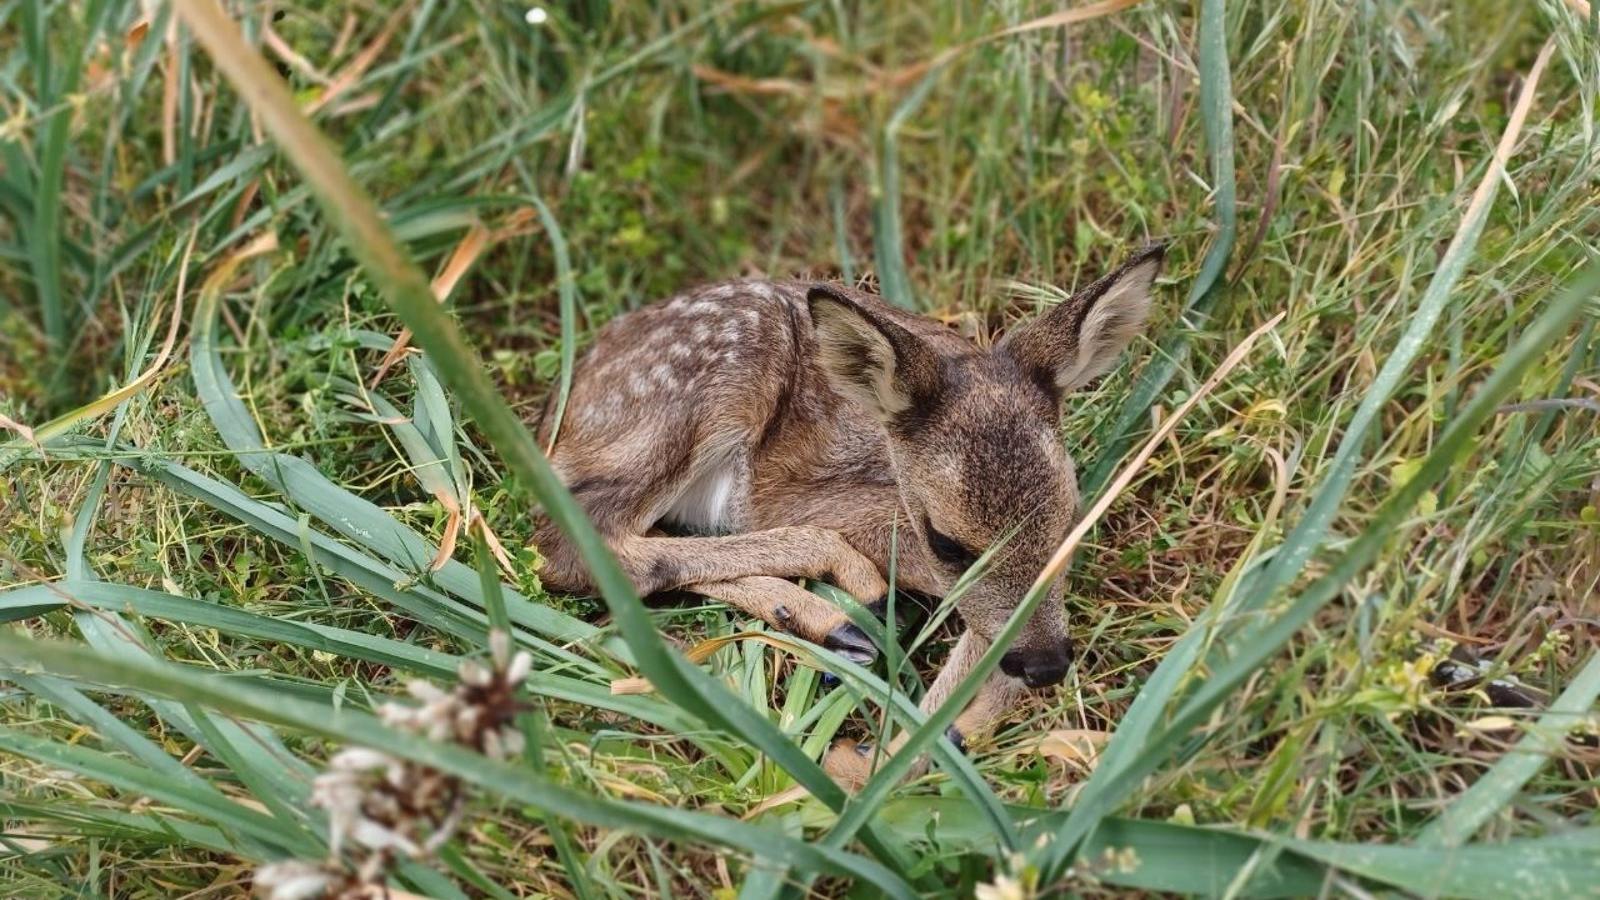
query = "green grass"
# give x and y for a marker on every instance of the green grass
(246, 539)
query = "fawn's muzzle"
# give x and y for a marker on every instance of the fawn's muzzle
(1038, 668)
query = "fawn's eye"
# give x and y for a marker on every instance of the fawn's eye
(947, 549)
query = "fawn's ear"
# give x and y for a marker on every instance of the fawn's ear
(870, 359)
(1080, 338)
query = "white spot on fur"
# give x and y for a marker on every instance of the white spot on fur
(1050, 446)
(663, 378)
(601, 411)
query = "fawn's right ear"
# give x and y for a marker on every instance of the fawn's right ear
(1080, 338)
(870, 359)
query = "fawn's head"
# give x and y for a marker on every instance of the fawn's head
(974, 438)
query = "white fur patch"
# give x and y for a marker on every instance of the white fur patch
(705, 504)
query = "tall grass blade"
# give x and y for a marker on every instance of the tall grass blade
(1523, 869)
(407, 290)
(1303, 540)
(75, 703)
(1216, 113)
(888, 241)
(150, 827)
(44, 236)
(1258, 645)
(567, 292)
(34, 600)
(245, 823)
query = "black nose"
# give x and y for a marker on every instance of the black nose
(1038, 668)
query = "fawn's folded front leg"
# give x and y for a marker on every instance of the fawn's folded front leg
(795, 551)
(796, 610)
(851, 763)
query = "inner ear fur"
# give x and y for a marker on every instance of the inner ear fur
(1082, 337)
(870, 359)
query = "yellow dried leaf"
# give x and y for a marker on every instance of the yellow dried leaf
(1079, 748)
(792, 795)
(1484, 724)
(702, 651)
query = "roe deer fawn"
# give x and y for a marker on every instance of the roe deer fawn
(784, 430)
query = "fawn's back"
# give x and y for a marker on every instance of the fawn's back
(714, 402)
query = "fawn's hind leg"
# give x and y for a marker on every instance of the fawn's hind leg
(792, 608)
(850, 763)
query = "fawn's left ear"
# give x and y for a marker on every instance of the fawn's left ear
(1080, 338)
(867, 357)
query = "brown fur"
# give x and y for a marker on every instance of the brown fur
(793, 430)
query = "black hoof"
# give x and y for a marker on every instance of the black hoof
(957, 738)
(879, 608)
(851, 643)
(830, 680)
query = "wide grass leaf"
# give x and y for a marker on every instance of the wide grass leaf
(407, 291)
(357, 728)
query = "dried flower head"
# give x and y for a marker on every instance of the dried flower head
(385, 808)
(1004, 887)
(292, 879)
